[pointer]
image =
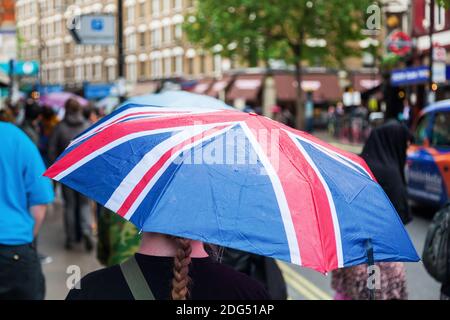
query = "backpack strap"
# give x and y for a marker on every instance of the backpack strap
(135, 279)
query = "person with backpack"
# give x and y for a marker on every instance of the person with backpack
(436, 252)
(168, 268)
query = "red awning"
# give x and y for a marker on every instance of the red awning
(202, 86)
(365, 81)
(246, 86)
(218, 86)
(325, 87)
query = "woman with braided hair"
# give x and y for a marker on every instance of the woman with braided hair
(168, 268)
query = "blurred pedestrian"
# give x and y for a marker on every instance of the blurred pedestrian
(47, 124)
(385, 154)
(76, 206)
(30, 125)
(24, 194)
(168, 268)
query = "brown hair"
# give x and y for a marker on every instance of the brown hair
(182, 260)
(72, 106)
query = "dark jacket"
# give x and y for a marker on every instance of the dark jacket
(385, 154)
(72, 125)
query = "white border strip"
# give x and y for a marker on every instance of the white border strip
(337, 230)
(163, 168)
(280, 195)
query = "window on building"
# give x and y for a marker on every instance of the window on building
(167, 38)
(142, 39)
(166, 6)
(142, 69)
(156, 37)
(190, 63)
(202, 63)
(177, 4)
(130, 14)
(97, 71)
(179, 65)
(178, 31)
(155, 8)
(111, 73)
(167, 66)
(142, 9)
(217, 63)
(68, 73)
(79, 72)
(131, 71)
(131, 42)
(88, 71)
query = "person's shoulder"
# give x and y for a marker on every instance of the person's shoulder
(102, 284)
(10, 129)
(237, 284)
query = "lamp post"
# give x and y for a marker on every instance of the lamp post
(120, 57)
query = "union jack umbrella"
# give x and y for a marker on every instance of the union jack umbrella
(237, 180)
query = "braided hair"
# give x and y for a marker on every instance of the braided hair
(182, 260)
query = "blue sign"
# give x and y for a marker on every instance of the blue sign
(97, 90)
(97, 24)
(21, 68)
(94, 29)
(46, 89)
(409, 76)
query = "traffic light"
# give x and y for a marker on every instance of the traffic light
(434, 86)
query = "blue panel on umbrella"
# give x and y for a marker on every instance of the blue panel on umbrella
(102, 175)
(357, 220)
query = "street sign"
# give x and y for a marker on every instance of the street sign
(408, 76)
(94, 29)
(21, 68)
(399, 43)
(439, 72)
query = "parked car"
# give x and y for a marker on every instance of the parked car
(428, 162)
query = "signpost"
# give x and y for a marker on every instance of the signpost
(94, 29)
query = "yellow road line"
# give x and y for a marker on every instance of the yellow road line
(300, 289)
(299, 281)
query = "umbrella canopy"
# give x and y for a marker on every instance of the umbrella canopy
(57, 100)
(179, 99)
(238, 180)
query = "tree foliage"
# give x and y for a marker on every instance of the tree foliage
(256, 30)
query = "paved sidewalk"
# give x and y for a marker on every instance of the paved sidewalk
(51, 243)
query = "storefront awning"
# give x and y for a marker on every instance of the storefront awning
(365, 81)
(246, 87)
(218, 86)
(325, 87)
(145, 88)
(202, 86)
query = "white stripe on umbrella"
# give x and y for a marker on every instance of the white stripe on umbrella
(281, 197)
(128, 113)
(335, 155)
(163, 168)
(337, 230)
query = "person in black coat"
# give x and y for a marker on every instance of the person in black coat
(385, 154)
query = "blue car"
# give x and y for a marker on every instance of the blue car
(428, 162)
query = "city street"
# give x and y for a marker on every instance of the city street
(303, 284)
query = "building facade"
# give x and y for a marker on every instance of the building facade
(44, 36)
(155, 45)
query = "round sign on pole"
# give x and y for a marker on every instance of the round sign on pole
(399, 43)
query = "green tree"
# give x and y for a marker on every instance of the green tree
(294, 31)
